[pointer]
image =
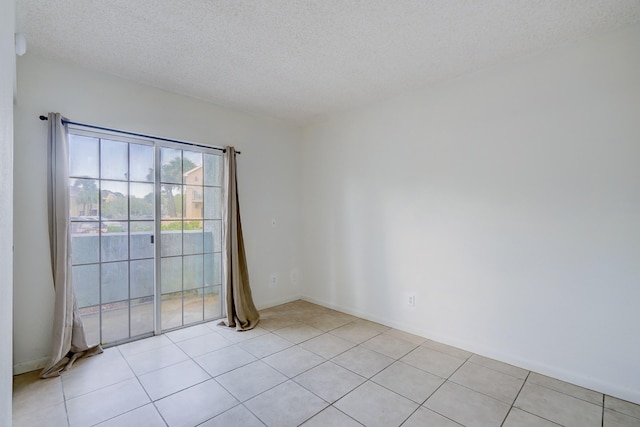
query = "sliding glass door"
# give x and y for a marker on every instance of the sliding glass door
(190, 227)
(129, 283)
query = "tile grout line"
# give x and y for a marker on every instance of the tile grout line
(626, 414)
(320, 397)
(355, 373)
(230, 370)
(514, 399)
(64, 399)
(438, 388)
(240, 403)
(338, 354)
(157, 369)
(531, 413)
(338, 409)
(145, 390)
(227, 410)
(99, 388)
(254, 396)
(299, 345)
(300, 373)
(496, 370)
(160, 413)
(177, 391)
(153, 402)
(527, 376)
(564, 393)
(396, 360)
(287, 379)
(316, 413)
(468, 360)
(252, 413)
(157, 337)
(479, 392)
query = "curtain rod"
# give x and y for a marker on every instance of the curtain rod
(67, 122)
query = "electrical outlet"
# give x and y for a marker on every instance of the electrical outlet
(274, 280)
(411, 300)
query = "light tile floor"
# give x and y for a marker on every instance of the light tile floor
(305, 365)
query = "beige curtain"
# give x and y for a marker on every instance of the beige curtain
(68, 341)
(241, 312)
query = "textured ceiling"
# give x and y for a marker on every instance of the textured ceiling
(299, 59)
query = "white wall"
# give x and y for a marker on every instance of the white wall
(268, 174)
(7, 71)
(507, 201)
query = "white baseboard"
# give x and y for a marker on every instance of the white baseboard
(28, 366)
(578, 379)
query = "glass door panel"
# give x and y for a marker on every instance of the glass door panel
(127, 285)
(112, 256)
(212, 212)
(189, 241)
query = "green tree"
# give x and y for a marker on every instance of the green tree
(171, 176)
(113, 207)
(141, 207)
(87, 194)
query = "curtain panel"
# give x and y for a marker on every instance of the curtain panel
(241, 311)
(68, 337)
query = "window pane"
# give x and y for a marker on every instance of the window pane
(212, 270)
(83, 199)
(86, 282)
(193, 237)
(114, 159)
(115, 322)
(83, 156)
(171, 171)
(192, 272)
(212, 303)
(140, 239)
(114, 241)
(142, 273)
(113, 221)
(193, 202)
(171, 238)
(171, 201)
(212, 203)
(192, 167)
(193, 308)
(212, 170)
(114, 197)
(141, 163)
(171, 310)
(141, 316)
(141, 201)
(212, 236)
(115, 281)
(141, 227)
(91, 320)
(85, 247)
(171, 271)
